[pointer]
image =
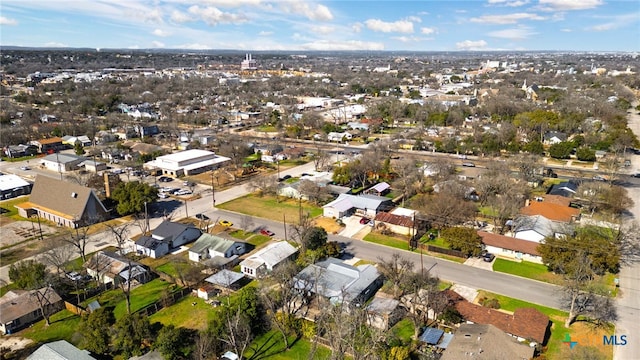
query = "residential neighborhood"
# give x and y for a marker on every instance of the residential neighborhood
(273, 206)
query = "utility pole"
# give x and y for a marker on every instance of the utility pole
(146, 216)
(213, 191)
(284, 221)
(186, 209)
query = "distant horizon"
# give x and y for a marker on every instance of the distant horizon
(294, 51)
(324, 25)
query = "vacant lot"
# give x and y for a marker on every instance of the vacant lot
(269, 207)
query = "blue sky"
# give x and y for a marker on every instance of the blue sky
(419, 25)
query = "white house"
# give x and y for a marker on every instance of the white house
(537, 227)
(267, 258)
(216, 251)
(339, 137)
(168, 235)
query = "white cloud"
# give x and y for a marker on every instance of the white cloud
(414, 19)
(566, 30)
(161, 33)
(471, 45)
(157, 44)
(509, 3)
(233, 3)
(321, 29)
(55, 44)
(616, 22)
(401, 26)
(507, 18)
(521, 33)
(180, 17)
(7, 21)
(357, 27)
(214, 16)
(427, 30)
(410, 39)
(265, 33)
(563, 5)
(342, 45)
(316, 13)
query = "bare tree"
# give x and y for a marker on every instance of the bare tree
(119, 233)
(395, 270)
(246, 221)
(313, 191)
(263, 185)
(420, 289)
(80, 240)
(282, 299)
(238, 335)
(320, 159)
(57, 254)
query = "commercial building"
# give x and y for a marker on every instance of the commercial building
(188, 162)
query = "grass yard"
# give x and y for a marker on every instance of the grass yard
(270, 346)
(555, 346)
(526, 269)
(185, 314)
(269, 208)
(330, 225)
(241, 234)
(387, 241)
(64, 324)
(141, 296)
(403, 330)
(258, 240)
(10, 207)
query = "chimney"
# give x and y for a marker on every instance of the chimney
(107, 186)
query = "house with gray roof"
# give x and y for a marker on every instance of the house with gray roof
(21, 308)
(216, 251)
(363, 205)
(379, 189)
(338, 282)
(62, 162)
(267, 259)
(537, 227)
(167, 236)
(110, 268)
(225, 279)
(64, 203)
(60, 350)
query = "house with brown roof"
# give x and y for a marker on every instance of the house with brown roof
(510, 247)
(398, 224)
(64, 203)
(485, 342)
(552, 211)
(524, 324)
(21, 308)
(49, 146)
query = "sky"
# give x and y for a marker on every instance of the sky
(298, 25)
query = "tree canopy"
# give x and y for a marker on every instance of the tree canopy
(28, 274)
(464, 239)
(132, 196)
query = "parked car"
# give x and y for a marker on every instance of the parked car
(162, 195)
(225, 223)
(364, 220)
(183, 192)
(25, 168)
(636, 175)
(189, 183)
(599, 178)
(488, 257)
(202, 217)
(74, 276)
(468, 164)
(266, 232)
(165, 179)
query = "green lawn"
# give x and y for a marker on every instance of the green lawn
(169, 269)
(241, 234)
(64, 324)
(387, 241)
(185, 314)
(10, 207)
(403, 330)
(526, 269)
(141, 296)
(271, 346)
(269, 207)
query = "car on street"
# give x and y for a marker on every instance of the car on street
(266, 232)
(488, 257)
(636, 175)
(468, 164)
(599, 178)
(189, 183)
(202, 217)
(24, 168)
(225, 223)
(165, 179)
(183, 192)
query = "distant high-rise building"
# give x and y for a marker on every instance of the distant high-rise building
(248, 63)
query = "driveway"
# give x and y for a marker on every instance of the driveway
(479, 263)
(352, 226)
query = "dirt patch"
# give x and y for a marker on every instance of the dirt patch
(330, 225)
(18, 232)
(14, 343)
